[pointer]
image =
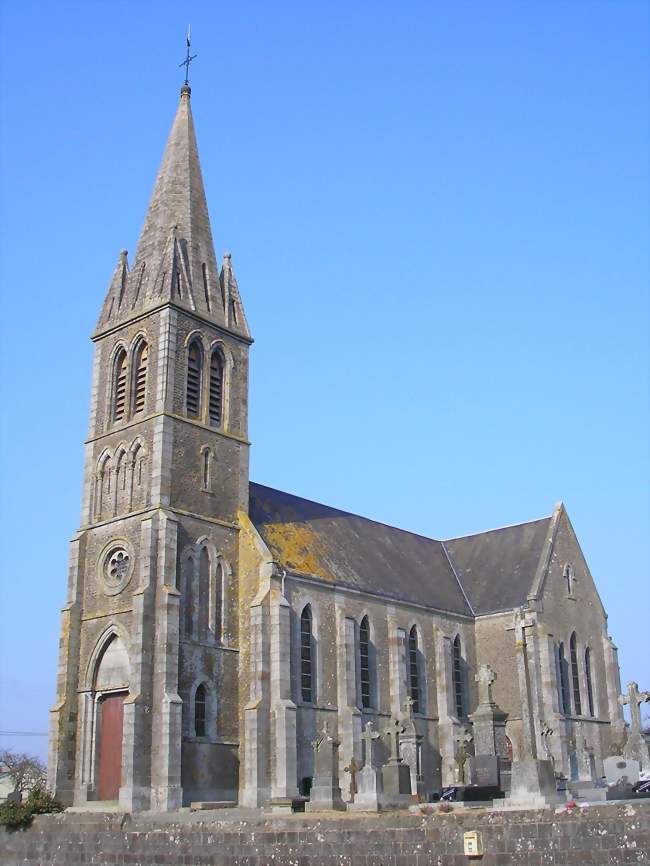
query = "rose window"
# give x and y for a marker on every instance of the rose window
(117, 566)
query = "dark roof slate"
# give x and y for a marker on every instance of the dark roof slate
(314, 539)
(496, 569)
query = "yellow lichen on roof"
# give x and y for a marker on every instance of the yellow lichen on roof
(297, 547)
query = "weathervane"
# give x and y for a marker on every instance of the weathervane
(188, 59)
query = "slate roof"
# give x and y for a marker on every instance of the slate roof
(497, 568)
(314, 539)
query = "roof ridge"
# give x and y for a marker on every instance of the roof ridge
(497, 528)
(399, 528)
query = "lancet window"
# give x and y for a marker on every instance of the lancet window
(140, 383)
(193, 388)
(200, 701)
(414, 670)
(565, 704)
(364, 663)
(590, 689)
(457, 673)
(216, 388)
(575, 675)
(119, 385)
(306, 656)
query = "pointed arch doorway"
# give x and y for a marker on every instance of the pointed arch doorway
(111, 687)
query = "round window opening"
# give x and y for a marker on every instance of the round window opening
(117, 569)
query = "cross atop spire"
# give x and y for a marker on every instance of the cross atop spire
(188, 59)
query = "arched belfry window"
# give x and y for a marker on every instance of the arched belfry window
(590, 688)
(200, 701)
(193, 389)
(216, 388)
(575, 675)
(140, 383)
(565, 705)
(414, 670)
(457, 672)
(306, 656)
(364, 663)
(119, 385)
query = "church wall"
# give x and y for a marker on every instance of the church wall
(581, 611)
(389, 687)
(210, 762)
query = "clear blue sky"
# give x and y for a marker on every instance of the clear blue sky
(438, 215)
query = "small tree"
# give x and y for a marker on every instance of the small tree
(25, 771)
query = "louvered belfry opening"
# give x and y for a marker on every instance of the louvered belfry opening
(119, 386)
(216, 388)
(193, 396)
(140, 390)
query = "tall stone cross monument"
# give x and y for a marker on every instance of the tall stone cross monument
(488, 721)
(636, 747)
(485, 677)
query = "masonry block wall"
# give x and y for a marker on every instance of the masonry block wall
(598, 836)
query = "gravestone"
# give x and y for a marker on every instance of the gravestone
(411, 748)
(618, 769)
(368, 796)
(395, 774)
(325, 792)
(483, 771)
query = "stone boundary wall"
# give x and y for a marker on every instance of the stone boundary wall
(608, 835)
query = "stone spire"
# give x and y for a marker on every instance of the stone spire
(175, 260)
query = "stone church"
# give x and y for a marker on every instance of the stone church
(213, 626)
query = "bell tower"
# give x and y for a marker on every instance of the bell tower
(146, 709)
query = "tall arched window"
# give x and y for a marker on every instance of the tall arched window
(457, 671)
(204, 592)
(364, 662)
(189, 596)
(590, 689)
(565, 705)
(140, 383)
(216, 388)
(575, 675)
(199, 711)
(306, 656)
(119, 386)
(193, 391)
(414, 672)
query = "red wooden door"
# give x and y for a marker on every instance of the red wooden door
(111, 715)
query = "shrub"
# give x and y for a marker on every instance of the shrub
(15, 816)
(41, 802)
(445, 807)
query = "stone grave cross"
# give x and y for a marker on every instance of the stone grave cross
(367, 737)
(485, 677)
(394, 732)
(634, 698)
(462, 738)
(352, 768)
